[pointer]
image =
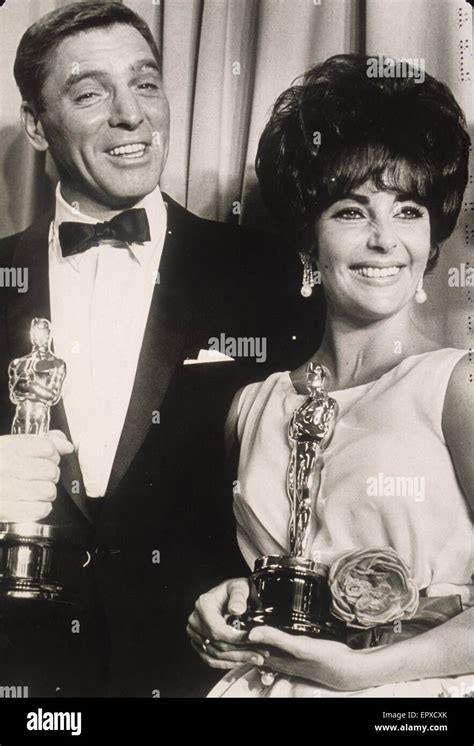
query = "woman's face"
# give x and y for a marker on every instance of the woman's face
(373, 248)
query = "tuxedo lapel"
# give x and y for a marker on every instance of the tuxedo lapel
(71, 475)
(32, 253)
(163, 342)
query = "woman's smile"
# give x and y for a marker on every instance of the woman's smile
(377, 275)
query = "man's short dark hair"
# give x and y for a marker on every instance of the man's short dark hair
(394, 132)
(40, 41)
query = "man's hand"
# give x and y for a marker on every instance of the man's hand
(217, 643)
(29, 472)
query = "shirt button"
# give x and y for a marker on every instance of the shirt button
(103, 552)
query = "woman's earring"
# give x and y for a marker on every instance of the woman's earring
(309, 276)
(420, 295)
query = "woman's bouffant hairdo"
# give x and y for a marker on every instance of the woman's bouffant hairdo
(339, 128)
(40, 41)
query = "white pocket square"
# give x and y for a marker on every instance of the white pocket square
(209, 356)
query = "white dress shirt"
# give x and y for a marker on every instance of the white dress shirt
(100, 301)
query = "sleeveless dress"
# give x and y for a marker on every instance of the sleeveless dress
(387, 479)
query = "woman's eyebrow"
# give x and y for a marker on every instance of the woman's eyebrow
(401, 197)
(409, 197)
(360, 198)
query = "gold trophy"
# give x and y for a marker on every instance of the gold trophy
(35, 384)
(292, 592)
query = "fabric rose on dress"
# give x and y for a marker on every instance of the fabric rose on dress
(372, 586)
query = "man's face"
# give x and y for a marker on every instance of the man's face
(106, 118)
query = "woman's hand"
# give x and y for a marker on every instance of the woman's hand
(217, 643)
(323, 661)
(445, 650)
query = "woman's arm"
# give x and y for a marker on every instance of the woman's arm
(458, 424)
(447, 650)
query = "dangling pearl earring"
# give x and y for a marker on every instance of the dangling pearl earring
(309, 276)
(420, 295)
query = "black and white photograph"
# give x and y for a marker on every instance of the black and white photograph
(237, 359)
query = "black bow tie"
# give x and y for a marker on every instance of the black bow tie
(130, 226)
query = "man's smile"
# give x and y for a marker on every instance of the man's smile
(129, 154)
(128, 149)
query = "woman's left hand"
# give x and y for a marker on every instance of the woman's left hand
(335, 665)
(323, 661)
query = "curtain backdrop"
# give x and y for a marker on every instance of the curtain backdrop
(224, 63)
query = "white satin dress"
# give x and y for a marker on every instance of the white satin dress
(385, 429)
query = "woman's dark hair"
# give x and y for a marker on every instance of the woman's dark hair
(40, 41)
(393, 132)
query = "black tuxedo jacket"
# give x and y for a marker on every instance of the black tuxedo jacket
(164, 532)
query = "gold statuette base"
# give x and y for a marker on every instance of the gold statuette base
(292, 594)
(25, 562)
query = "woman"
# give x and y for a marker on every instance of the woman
(366, 175)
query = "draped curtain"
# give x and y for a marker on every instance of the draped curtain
(224, 63)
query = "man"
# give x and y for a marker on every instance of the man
(133, 285)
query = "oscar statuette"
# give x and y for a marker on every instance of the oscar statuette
(292, 592)
(26, 548)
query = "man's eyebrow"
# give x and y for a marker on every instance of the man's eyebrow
(101, 74)
(147, 62)
(77, 77)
